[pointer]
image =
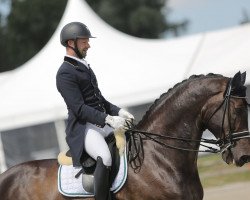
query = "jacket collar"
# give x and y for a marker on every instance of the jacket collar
(78, 65)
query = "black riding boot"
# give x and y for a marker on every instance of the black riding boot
(101, 183)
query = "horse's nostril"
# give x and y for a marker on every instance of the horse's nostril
(245, 159)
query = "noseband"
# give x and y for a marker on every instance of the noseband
(136, 137)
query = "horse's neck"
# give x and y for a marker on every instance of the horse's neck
(178, 114)
(180, 108)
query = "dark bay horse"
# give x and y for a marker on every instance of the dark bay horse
(172, 130)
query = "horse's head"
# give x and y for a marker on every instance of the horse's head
(225, 114)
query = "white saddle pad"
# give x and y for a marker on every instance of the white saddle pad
(70, 186)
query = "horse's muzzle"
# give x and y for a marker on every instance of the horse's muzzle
(243, 160)
(239, 154)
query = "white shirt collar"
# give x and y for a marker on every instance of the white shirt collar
(83, 61)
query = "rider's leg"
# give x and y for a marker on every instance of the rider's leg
(95, 144)
(97, 148)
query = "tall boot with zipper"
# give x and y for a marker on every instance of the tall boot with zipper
(101, 181)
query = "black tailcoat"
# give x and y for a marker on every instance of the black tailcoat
(78, 86)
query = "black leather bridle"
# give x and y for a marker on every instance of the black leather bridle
(225, 142)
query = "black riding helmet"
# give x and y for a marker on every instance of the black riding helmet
(73, 31)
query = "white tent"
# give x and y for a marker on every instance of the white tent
(223, 52)
(130, 70)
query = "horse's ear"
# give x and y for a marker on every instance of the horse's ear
(243, 78)
(236, 82)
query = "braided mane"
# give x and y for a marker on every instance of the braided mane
(166, 94)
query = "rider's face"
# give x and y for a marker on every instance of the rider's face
(83, 46)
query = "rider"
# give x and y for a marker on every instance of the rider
(91, 117)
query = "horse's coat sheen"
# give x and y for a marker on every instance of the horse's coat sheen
(166, 174)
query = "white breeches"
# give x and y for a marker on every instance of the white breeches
(95, 144)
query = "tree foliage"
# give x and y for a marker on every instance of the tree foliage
(29, 26)
(140, 18)
(31, 23)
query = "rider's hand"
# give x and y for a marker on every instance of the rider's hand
(125, 114)
(115, 121)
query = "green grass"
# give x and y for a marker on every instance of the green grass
(214, 171)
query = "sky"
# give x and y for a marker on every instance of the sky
(203, 15)
(4, 7)
(208, 15)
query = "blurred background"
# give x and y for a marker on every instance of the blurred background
(167, 40)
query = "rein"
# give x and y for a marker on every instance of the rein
(136, 137)
(135, 151)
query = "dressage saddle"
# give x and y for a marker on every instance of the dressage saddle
(89, 165)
